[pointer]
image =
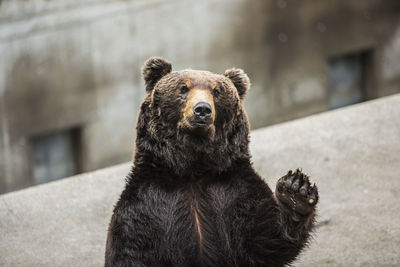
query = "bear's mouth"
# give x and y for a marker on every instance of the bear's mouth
(199, 128)
(200, 123)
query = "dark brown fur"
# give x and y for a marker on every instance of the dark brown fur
(193, 197)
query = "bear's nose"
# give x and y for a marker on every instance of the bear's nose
(202, 110)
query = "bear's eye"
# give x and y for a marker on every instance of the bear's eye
(184, 90)
(216, 93)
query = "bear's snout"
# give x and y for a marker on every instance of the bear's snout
(199, 110)
(202, 113)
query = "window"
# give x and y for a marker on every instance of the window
(56, 155)
(350, 78)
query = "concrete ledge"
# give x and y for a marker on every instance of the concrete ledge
(62, 223)
(351, 153)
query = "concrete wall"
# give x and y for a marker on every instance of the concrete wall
(78, 65)
(352, 154)
(67, 64)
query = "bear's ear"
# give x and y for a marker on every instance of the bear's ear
(239, 79)
(153, 70)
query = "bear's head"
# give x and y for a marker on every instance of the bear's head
(192, 120)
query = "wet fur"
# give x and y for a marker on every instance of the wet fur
(193, 197)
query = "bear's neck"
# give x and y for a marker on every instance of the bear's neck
(170, 159)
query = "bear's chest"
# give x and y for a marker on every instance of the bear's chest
(193, 221)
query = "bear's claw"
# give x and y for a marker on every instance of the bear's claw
(295, 191)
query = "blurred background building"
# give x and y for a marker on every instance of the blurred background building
(70, 84)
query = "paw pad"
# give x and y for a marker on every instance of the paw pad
(295, 191)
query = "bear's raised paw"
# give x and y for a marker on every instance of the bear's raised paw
(295, 191)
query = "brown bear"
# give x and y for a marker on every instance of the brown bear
(193, 197)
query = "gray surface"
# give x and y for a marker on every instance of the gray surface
(352, 155)
(61, 223)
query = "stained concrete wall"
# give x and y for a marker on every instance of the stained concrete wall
(352, 154)
(77, 64)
